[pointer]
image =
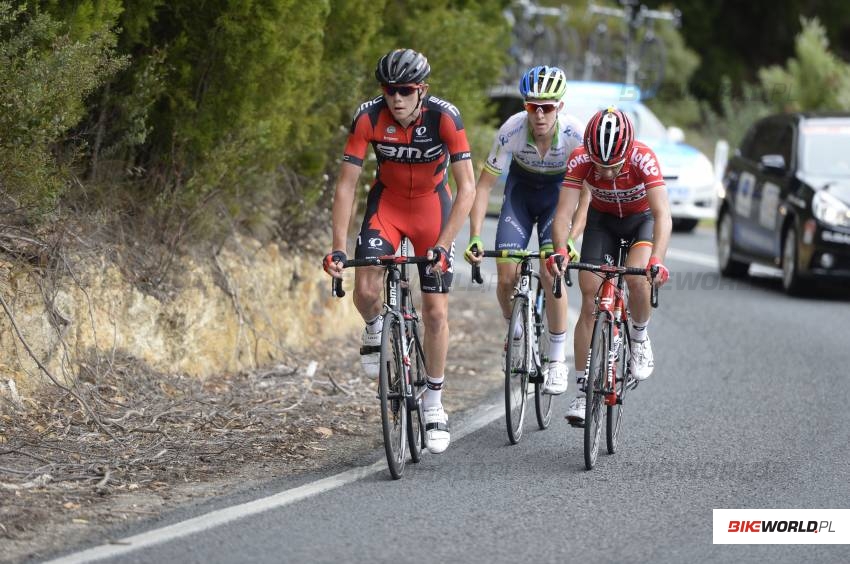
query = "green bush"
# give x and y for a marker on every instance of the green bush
(815, 79)
(45, 78)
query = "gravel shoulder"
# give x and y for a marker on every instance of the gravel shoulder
(127, 446)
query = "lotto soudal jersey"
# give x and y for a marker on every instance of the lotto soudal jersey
(625, 194)
(514, 143)
(413, 160)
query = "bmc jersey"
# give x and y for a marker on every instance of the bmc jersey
(412, 161)
(625, 194)
(514, 138)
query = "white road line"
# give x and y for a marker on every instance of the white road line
(484, 416)
(701, 259)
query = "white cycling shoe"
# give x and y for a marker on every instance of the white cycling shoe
(437, 437)
(642, 361)
(516, 349)
(557, 379)
(575, 414)
(370, 353)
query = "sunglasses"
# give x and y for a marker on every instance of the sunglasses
(532, 108)
(405, 90)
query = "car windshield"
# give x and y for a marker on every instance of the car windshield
(647, 126)
(824, 145)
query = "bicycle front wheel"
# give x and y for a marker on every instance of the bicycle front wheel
(415, 424)
(390, 390)
(516, 371)
(542, 402)
(614, 417)
(595, 389)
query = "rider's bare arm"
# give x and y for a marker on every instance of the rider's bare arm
(482, 198)
(464, 178)
(660, 208)
(567, 202)
(346, 186)
(580, 216)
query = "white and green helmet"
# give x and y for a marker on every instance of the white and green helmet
(543, 83)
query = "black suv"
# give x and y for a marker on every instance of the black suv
(786, 200)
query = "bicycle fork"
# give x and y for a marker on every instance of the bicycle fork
(610, 303)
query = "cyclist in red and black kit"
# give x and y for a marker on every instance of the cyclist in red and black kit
(628, 200)
(415, 137)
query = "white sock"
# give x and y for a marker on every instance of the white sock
(639, 330)
(433, 395)
(580, 379)
(556, 346)
(375, 325)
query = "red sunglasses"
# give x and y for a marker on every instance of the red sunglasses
(532, 108)
(404, 90)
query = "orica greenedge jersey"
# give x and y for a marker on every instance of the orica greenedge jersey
(515, 139)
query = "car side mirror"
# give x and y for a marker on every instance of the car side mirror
(675, 134)
(772, 163)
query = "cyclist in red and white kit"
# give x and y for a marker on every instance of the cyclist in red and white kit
(628, 200)
(415, 137)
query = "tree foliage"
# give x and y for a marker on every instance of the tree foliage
(815, 79)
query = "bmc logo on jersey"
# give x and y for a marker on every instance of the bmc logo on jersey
(406, 153)
(645, 162)
(444, 104)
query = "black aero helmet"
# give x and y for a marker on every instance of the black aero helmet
(402, 66)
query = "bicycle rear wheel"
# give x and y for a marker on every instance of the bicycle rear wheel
(595, 392)
(516, 372)
(542, 402)
(614, 417)
(652, 58)
(390, 388)
(415, 424)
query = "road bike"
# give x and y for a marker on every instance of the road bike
(402, 376)
(526, 356)
(541, 36)
(608, 367)
(622, 57)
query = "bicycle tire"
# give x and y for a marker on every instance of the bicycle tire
(614, 416)
(415, 424)
(516, 373)
(595, 388)
(652, 61)
(570, 56)
(393, 408)
(542, 402)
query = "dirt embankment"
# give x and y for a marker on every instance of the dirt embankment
(129, 441)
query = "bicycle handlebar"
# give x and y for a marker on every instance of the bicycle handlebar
(611, 269)
(336, 285)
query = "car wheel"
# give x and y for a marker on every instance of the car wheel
(792, 282)
(729, 267)
(684, 225)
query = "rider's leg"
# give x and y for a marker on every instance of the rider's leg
(589, 284)
(639, 285)
(639, 293)
(368, 285)
(435, 309)
(507, 275)
(558, 378)
(435, 316)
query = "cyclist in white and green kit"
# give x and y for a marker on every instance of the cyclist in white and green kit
(534, 144)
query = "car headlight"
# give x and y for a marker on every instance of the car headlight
(830, 210)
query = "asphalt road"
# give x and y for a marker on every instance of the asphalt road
(747, 408)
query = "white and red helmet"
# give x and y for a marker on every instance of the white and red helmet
(609, 137)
